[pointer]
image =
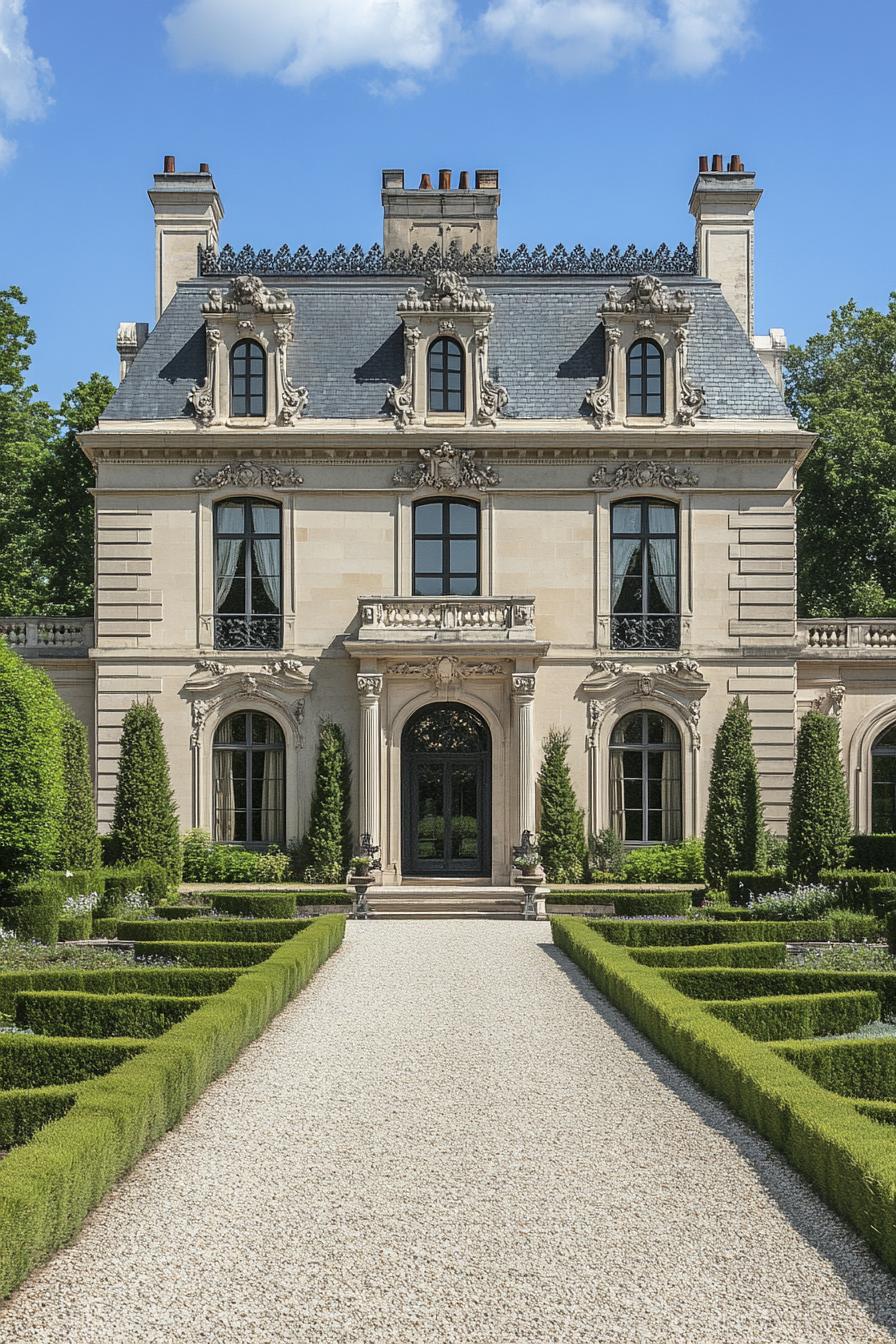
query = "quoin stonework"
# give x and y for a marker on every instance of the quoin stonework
(450, 495)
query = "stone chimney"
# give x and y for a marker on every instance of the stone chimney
(723, 203)
(443, 215)
(187, 211)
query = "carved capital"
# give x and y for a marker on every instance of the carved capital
(523, 684)
(370, 685)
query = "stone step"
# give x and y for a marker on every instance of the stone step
(436, 906)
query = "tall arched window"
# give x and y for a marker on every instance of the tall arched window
(445, 375)
(249, 804)
(645, 779)
(446, 547)
(248, 380)
(883, 781)
(645, 379)
(644, 575)
(248, 604)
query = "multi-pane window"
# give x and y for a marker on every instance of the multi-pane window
(883, 782)
(248, 771)
(446, 547)
(248, 602)
(645, 779)
(645, 379)
(644, 575)
(247, 379)
(445, 374)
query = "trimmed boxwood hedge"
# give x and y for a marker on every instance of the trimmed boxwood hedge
(743, 884)
(105, 926)
(848, 1157)
(255, 904)
(713, 954)
(62, 1012)
(72, 927)
(652, 902)
(207, 954)
(23, 1110)
(854, 886)
(729, 982)
(884, 1111)
(50, 1184)
(182, 911)
(777, 1017)
(209, 930)
(860, 1068)
(873, 851)
(119, 980)
(655, 933)
(37, 1061)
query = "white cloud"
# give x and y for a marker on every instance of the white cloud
(298, 40)
(25, 79)
(674, 36)
(393, 89)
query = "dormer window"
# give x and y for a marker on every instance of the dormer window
(645, 379)
(445, 375)
(248, 383)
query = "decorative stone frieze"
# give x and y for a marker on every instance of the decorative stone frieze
(446, 468)
(448, 305)
(445, 671)
(247, 475)
(644, 475)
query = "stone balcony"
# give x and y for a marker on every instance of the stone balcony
(853, 637)
(48, 636)
(463, 620)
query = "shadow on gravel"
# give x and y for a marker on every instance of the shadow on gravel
(870, 1282)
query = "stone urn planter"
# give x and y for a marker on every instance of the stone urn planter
(530, 879)
(360, 881)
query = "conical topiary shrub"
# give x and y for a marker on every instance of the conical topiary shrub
(324, 857)
(735, 832)
(79, 843)
(561, 837)
(31, 787)
(818, 831)
(145, 822)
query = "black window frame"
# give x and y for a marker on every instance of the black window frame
(248, 629)
(881, 750)
(250, 749)
(437, 362)
(637, 394)
(644, 628)
(646, 748)
(241, 403)
(446, 574)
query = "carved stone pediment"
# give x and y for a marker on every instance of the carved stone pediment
(210, 675)
(644, 475)
(446, 291)
(446, 468)
(678, 685)
(249, 292)
(647, 294)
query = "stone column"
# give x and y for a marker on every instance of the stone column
(524, 706)
(369, 690)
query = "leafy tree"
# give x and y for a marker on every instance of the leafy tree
(818, 832)
(79, 843)
(735, 832)
(31, 781)
(62, 505)
(145, 823)
(561, 838)
(323, 856)
(841, 385)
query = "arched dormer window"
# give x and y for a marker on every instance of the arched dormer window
(248, 380)
(446, 548)
(645, 379)
(445, 375)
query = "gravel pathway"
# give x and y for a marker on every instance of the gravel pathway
(451, 1137)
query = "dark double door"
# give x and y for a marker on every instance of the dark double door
(446, 822)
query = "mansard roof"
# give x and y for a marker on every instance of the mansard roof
(546, 348)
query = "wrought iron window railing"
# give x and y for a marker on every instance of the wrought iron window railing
(248, 632)
(646, 632)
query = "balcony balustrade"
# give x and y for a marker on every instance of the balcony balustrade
(849, 637)
(447, 618)
(48, 636)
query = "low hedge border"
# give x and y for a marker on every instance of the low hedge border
(734, 982)
(72, 927)
(50, 1184)
(778, 1017)
(713, 954)
(743, 883)
(23, 1110)
(656, 933)
(854, 887)
(63, 1012)
(209, 930)
(849, 1158)
(181, 911)
(105, 926)
(255, 904)
(120, 980)
(652, 903)
(39, 1061)
(864, 1069)
(206, 954)
(884, 1111)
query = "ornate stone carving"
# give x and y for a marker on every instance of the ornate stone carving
(523, 683)
(246, 474)
(643, 475)
(492, 396)
(401, 398)
(691, 396)
(370, 684)
(446, 468)
(601, 398)
(694, 707)
(444, 671)
(683, 668)
(830, 702)
(291, 400)
(285, 667)
(446, 291)
(647, 294)
(208, 665)
(202, 397)
(594, 711)
(198, 714)
(248, 291)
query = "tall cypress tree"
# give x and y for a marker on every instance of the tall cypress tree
(324, 857)
(818, 831)
(735, 831)
(561, 837)
(145, 816)
(31, 787)
(79, 844)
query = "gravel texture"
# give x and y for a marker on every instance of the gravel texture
(450, 1136)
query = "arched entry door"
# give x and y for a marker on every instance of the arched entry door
(446, 793)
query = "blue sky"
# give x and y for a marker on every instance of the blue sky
(594, 111)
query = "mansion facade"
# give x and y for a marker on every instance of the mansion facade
(451, 496)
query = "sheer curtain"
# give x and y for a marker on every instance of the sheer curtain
(266, 555)
(225, 799)
(271, 764)
(670, 785)
(227, 557)
(623, 550)
(617, 795)
(662, 566)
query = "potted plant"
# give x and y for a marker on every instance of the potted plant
(529, 861)
(361, 865)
